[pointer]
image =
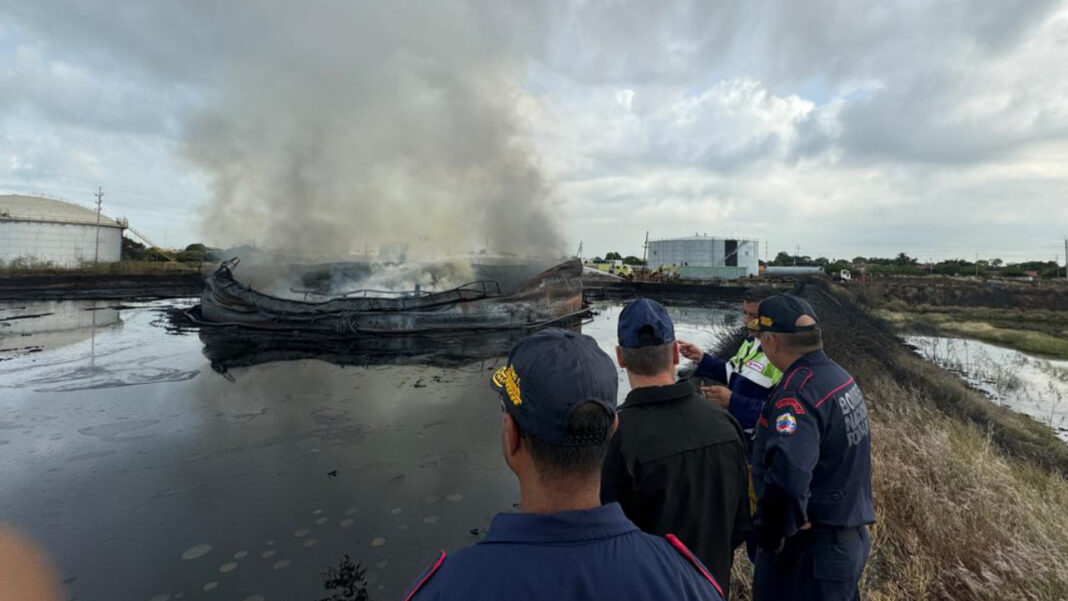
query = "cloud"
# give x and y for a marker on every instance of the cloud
(859, 127)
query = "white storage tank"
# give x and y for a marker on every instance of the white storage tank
(705, 251)
(44, 230)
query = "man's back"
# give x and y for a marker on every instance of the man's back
(677, 465)
(596, 554)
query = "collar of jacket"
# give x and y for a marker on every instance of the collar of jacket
(807, 359)
(656, 394)
(602, 522)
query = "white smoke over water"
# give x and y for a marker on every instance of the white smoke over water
(341, 126)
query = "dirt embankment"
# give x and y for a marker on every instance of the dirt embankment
(971, 498)
(102, 286)
(1050, 295)
(671, 292)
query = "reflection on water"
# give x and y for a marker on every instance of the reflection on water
(29, 327)
(146, 474)
(1030, 385)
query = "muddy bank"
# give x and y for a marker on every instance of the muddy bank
(671, 293)
(102, 286)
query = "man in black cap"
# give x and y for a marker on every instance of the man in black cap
(811, 465)
(558, 396)
(677, 463)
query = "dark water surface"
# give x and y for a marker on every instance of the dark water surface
(147, 475)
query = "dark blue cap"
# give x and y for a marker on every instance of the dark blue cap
(645, 322)
(550, 374)
(781, 312)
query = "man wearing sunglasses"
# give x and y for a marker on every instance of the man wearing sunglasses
(558, 394)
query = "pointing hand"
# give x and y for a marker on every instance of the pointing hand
(690, 350)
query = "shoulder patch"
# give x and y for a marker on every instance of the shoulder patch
(681, 548)
(430, 572)
(786, 424)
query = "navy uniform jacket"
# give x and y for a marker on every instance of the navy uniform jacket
(812, 451)
(597, 554)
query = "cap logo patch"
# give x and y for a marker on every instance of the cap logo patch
(765, 320)
(786, 424)
(508, 379)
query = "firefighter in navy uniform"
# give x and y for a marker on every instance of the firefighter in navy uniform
(811, 466)
(558, 394)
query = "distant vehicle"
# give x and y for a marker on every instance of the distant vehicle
(843, 276)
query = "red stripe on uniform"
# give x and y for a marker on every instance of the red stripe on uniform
(681, 548)
(786, 384)
(763, 421)
(437, 565)
(833, 391)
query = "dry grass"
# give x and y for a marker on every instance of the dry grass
(971, 499)
(1040, 334)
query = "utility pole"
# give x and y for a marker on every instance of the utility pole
(976, 264)
(645, 250)
(798, 254)
(99, 202)
(1066, 258)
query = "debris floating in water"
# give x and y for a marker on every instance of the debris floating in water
(196, 551)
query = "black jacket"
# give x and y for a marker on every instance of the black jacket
(677, 466)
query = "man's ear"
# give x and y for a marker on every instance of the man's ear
(510, 437)
(619, 357)
(615, 425)
(675, 353)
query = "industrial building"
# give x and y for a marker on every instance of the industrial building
(44, 230)
(706, 257)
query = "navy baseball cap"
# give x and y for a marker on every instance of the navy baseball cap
(645, 322)
(550, 374)
(781, 312)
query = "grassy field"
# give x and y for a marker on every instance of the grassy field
(971, 499)
(1039, 332)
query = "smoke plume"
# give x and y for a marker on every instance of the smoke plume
(342, 125)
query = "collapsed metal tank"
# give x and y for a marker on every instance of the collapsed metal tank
(550, 297)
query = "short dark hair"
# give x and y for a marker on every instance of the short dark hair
(590, 430)
(648, 360)
(803, 340)
(756, 295)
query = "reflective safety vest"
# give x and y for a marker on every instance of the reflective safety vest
(751, 363)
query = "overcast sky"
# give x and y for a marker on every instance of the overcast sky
(845, 128)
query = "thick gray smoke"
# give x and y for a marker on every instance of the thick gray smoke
(342, 125)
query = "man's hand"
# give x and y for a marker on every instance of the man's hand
(691, 351)
(720, 395)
